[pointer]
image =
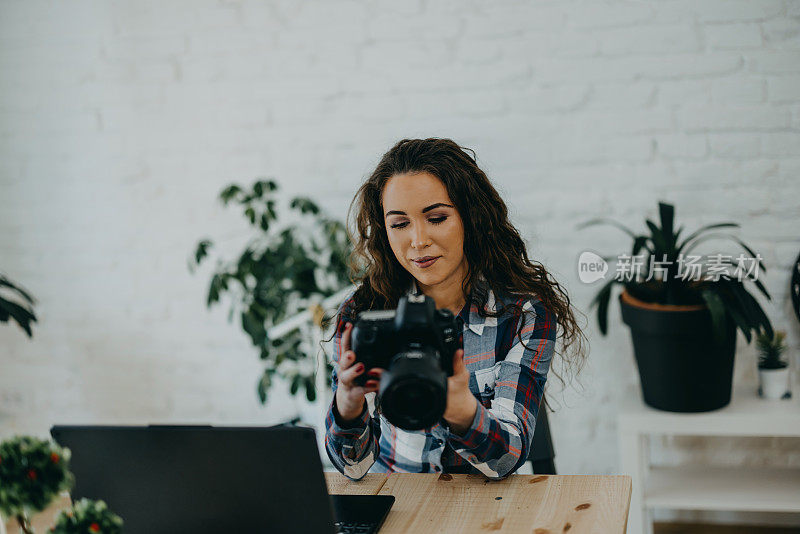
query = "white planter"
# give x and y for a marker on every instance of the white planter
(774, 383)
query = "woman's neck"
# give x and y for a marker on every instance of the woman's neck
(449, 297)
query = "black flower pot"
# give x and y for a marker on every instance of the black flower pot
(681, 368)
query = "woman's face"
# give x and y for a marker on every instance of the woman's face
(422, 222)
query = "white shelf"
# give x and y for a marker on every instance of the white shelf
(746, 415)
(724, 488)
(698, 487)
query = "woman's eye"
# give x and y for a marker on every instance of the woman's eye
(432, 220)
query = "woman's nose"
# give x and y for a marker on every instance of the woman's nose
(420, 239)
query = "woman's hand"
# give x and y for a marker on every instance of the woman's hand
(461, 403)
(349, 396)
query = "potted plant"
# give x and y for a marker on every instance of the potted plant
(86, 517)
(32, 473)
(773, 371)
(683, 316)
(280, 272)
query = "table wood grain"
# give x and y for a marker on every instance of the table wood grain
(535, 504)
(521, 503)
(339, 484)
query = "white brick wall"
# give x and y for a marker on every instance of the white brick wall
(119, 123)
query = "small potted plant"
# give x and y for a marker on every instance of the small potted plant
(32, 473)
(773, 371)
(684, 316)
(88, 517)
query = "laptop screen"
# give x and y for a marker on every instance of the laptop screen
(168, 479)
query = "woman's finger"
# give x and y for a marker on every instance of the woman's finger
(347, 376)
(346, 360)
(348, 327)
(458, 363)
(375, 372)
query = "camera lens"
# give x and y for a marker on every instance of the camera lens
(413, 391)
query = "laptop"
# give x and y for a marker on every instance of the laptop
(203, 479)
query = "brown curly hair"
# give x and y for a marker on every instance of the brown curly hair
(492, 246)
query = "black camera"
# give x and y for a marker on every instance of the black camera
(414, 344)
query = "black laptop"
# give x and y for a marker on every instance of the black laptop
(203, 479)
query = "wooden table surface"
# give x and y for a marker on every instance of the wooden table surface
(535, 504)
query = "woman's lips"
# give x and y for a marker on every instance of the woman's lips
(427, 263)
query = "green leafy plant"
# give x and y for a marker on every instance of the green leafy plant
(770, 349)
(282, 271)
(86, 517)
(32, 473)
(725, 297)
(20, 308)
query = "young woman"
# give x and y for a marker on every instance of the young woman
(429, 216)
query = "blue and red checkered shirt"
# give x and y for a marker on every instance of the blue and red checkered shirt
(506, 377)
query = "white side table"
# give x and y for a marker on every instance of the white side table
(707, 487)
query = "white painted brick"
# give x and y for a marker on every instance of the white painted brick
(735, 146)
(737, 91)
(477, 51)
(649, 40)
(635, 68)
(773, 62)
(702, 118)
(592, 14)
(682, 92)
(545, 99)
(391, 27)
(782, 33)
(734, 10)
(550, 44)
(680, 146)
(782, 144)
(733, 36)
(613, 95)
(784, 89)
(143, 48)
(503, 21)
(634, 122)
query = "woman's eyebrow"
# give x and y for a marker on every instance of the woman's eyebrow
(424, 210)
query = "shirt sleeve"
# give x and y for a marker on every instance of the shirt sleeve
(351, 446)
(498, 441)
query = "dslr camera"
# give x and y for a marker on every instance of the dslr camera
(414, 344)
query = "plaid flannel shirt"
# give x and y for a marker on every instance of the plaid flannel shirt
(506, 377)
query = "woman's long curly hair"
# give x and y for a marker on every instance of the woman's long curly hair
(492, 246)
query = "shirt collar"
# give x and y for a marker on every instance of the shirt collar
(471, 316)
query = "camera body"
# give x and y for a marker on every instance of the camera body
(414, 344)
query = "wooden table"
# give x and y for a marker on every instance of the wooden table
(535, 504)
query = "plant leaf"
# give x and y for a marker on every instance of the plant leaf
(604, 220)
(640, 242)
(202, 250)
(229, 193)
(731, 237)
(263, 387)
(667, 213)
(5, 282)
(22, 316)
(311, 389)
(704, 229)
(253, 324)
(658, 238)
(602, 299)
(717, 309)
